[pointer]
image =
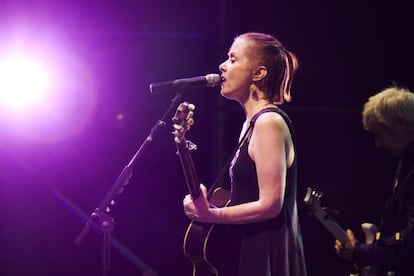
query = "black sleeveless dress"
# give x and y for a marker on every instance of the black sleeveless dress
(273, 247)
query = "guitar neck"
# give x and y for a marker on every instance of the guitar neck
(312, 198)
(334, 228)
(190, 173)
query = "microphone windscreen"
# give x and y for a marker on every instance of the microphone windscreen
(213, 80)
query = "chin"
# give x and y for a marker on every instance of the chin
(224, 93)
(227, 96)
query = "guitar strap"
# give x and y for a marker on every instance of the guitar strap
(246, 136)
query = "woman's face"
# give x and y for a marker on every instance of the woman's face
(237, 71)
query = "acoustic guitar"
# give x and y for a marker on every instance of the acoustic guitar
(203, 242)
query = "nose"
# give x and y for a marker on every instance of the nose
(222, 66)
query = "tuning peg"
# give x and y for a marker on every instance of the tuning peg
(191, 107)
(177, 127)
(190, 123)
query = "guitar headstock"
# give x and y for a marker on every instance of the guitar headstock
(313, 198)
(182, 121)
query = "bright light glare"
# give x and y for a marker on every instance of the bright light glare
(24, 82)
(47, 91)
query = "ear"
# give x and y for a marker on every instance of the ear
(260, 73)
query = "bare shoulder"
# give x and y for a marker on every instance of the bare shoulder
(269, 121)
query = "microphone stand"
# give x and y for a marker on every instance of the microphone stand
(100, 220)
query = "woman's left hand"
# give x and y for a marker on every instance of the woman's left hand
(198, 209)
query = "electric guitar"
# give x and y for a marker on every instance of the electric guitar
(202, 241)
(312, 199)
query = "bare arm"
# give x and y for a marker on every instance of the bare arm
(268, 149)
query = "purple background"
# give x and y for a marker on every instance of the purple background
(348, 50)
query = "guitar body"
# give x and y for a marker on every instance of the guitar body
(204, 243)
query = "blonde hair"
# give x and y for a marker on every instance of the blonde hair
(280, 63)
(392, 106)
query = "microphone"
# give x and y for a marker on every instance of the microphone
(210, 80)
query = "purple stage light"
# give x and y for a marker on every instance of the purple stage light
(24, 83)
(47, 93)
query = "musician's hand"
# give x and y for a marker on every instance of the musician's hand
(346, 250)
(197, 209)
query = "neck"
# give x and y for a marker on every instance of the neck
(254, 102)
(252, 107)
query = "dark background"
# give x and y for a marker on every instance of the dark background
(348, 50)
